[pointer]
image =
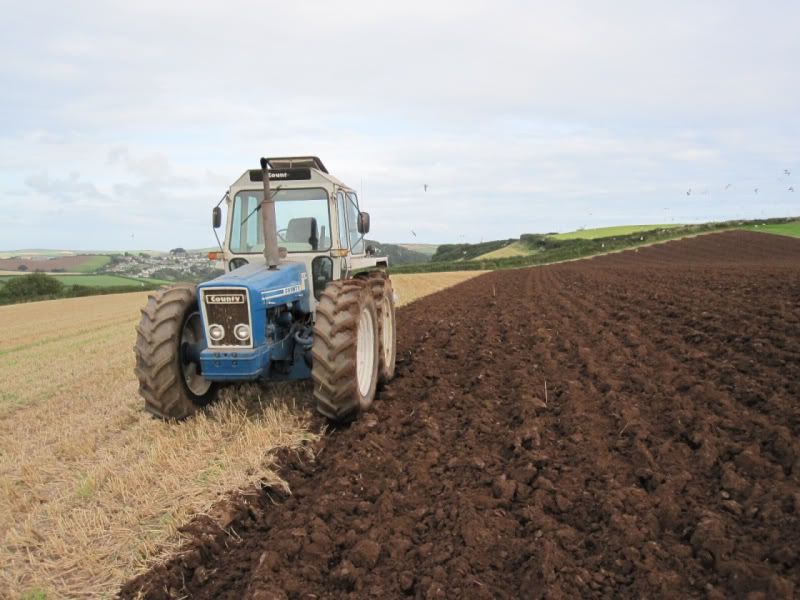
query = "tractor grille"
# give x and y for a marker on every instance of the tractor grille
(228, 307)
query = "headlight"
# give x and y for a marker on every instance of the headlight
(216, 332)
(242, 332)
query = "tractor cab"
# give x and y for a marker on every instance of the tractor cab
(317, 219)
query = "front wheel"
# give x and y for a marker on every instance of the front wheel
(169, 338)
(346, 350)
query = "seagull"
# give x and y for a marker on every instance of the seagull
(425, 186)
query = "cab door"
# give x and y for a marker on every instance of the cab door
(352, 245)
(358, 246)
(341, 262)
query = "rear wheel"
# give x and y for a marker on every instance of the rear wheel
(383, 294)
(169, 336)
(346, 350)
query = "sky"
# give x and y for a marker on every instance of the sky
(123, 123)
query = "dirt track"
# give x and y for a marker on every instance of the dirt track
(662, 459)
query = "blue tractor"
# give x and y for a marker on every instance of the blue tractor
(303, 296)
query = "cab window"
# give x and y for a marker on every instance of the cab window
(301, 215)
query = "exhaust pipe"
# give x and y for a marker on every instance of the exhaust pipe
(268, 221)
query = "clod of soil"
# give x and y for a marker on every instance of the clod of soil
(625, 426)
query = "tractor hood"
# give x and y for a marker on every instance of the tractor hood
(268, 288)
(225, 309)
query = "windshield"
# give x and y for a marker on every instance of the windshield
(301, 214)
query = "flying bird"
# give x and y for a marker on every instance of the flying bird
(425, 186)
(414, 233)
(791, 188)
(689, 192)
(787, 172)
(727, 187)
(755, 190)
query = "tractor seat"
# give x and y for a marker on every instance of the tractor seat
(303, 231)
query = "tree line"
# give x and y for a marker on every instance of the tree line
(39, 286)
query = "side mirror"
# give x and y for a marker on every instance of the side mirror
(216, 217)
(363, 223)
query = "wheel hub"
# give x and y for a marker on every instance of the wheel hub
(365, 352)
(189, 352)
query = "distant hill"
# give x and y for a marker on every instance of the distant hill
(603, 232)
(790, 228)
(522, 247)
(517, 248)
(529, 243)
(544, 248)
(40, 253)
(399, 254)
(451, 252)
(61, 262)
(427, 249)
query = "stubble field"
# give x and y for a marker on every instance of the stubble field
(92, 490)
(625, 426)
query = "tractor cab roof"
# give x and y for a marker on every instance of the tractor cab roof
(292, 162)
(291, 171)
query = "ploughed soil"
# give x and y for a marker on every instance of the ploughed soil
(625, 426)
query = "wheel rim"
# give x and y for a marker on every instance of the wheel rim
(191, 334)
(365, 351)
(387, 335)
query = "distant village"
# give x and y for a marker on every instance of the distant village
(178, 265)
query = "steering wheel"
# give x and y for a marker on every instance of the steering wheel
(282, 234)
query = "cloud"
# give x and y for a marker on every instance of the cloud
(520, 116)
(696, 154)
(69, 189)
(155, 167)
